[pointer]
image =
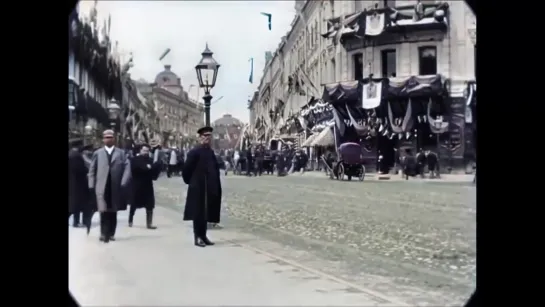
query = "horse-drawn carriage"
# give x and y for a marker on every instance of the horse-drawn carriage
(349, 163)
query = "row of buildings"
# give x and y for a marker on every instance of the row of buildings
(99, 82)
(178, 116)
(335, 42)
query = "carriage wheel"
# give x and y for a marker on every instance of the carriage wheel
(362, 173)
(340, 172)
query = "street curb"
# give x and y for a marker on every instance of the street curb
(300, 266)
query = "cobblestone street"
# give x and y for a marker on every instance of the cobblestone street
(414, 241)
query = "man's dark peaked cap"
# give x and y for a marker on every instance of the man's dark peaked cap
(204, 130)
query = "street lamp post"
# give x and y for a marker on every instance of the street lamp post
(207, 72)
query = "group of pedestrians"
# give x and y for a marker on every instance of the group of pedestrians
(256, 160)
(413, 165)
(108, 179)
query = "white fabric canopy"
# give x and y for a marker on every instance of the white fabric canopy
(325, 138)
(309, 141)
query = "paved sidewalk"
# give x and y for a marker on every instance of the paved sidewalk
(163, 268)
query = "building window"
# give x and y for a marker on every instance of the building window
(388, 3)
(427, 57)
(389, 63)
(358, 66)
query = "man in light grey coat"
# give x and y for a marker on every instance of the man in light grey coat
(109, 176)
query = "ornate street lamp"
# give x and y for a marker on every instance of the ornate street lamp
(207, 72)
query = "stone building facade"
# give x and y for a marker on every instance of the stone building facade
(179, 117)
(297, 60)
(226, 132)
(455, 49)
(94, 77)
(141, 118)
(312, 55)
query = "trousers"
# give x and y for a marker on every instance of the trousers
(200, 227)
(108, 223)
(76, 218)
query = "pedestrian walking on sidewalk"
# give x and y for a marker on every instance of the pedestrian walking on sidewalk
(172, 162)
(109, 176)
(202, 173)
(78, 194)
(144, 171)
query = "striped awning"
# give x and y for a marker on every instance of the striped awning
(325, 138)
(309, 141)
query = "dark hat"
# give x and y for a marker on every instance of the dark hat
(205, 130)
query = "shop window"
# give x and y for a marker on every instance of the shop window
(427, 57)
(389, 63)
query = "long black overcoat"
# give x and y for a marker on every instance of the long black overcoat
(201, 172)
(78, 192)
(142, 193)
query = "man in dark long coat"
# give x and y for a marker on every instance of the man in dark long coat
(202, 173)
(144, 171)
(78, 193)
(109, 176)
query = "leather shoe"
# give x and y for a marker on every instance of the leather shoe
(199, 242)
(207, 241)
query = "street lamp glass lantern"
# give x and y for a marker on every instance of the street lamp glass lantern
(88, 130)
(207, 70)
(113, 110)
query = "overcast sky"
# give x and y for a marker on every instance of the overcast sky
(235, 31)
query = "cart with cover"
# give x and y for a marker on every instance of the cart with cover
(349, 163)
